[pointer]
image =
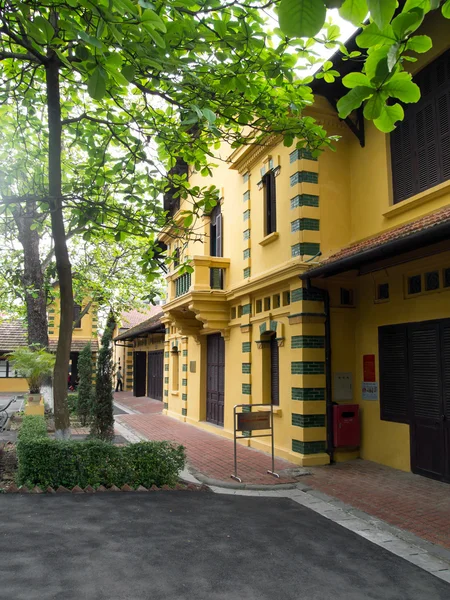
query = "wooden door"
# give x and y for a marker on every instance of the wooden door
(445, 357)
(140, 375)
(429, 369)
(155, 375)
(215, 376)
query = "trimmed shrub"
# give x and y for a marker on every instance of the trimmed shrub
(33, 427)
(72, 402)
(102, 426)
(85, 391)
(50, 462)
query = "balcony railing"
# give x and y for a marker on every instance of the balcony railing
(210, 273)
(182, 284)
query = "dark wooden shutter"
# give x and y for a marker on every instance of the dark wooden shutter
(393, 361)
(76, 316)
(274, 371)
(425, 385)
(219, 235)
(402, 161)
(270, 201)
(445, 356)
(420, 145)
(428, 172)
(443, 118)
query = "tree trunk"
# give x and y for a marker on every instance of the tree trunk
(63, 266)
(33, 277)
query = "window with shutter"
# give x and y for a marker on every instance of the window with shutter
(270, 201)
(393, 360)
(274, 371)
(420, 145)
(76, 316)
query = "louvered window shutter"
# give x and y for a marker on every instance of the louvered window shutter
(393, 361)
(219, 235)
(271, 202)
(420, 145)
(402, 161)
(274, 371)
(445, 353)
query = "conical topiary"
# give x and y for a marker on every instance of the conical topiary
(102, 425)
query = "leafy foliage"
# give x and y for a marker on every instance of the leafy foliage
(102, 425)
(33, 364)
(50, 462)
(387, 40)
(85, 391)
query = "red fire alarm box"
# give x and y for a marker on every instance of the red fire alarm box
(346, 425)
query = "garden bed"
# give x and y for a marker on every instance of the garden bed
(39, 463)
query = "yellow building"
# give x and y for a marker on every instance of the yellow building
(138, 346)
(323, 282)
(13, 334)
(139, 351)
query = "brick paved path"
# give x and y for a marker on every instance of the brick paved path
(412, 502)
(211, 455)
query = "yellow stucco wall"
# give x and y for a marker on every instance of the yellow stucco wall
(89, 322)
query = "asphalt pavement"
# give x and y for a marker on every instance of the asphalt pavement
(183, 545)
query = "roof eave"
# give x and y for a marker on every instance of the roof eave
(423, 238)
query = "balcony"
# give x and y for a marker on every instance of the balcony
(210, 274)
(196, 301)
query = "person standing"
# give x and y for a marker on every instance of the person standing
(119, 380)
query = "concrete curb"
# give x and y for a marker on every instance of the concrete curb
(230, 485)
(126, 409)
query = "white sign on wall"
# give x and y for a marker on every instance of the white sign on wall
(343, 386)
(369, 390)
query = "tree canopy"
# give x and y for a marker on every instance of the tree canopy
(387, 41)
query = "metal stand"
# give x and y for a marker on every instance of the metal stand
(249, 421)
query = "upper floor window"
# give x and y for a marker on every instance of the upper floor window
(216, 234)
(420, 146)
(270, 202)
(76, 316)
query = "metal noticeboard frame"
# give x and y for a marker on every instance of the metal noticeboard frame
(252, 424)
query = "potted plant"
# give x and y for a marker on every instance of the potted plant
(35, 365)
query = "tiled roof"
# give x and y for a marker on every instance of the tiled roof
(76, 346)
(12, 335)
(134, 317)
(144, 327)
(361, 249)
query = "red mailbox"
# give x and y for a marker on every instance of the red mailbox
(346, 425)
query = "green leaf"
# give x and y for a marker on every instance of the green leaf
(301, 18)
(159, 41)
(90, 40)
(406, 23)
(420, 43)
(209, 115)
(129, 72)
(158, 23)
(353, 79)
(82, 52)
(402, 87)
(389, 117)
(382, 11)
(354, 11)
(376, 63)
(45, 27)
(372, 36)
(353, 99)
(446, 9)
(393, 56)
(97, 85)
(374, 106)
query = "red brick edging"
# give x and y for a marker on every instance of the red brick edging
(23, 489)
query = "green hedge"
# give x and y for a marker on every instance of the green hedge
(49, 462)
